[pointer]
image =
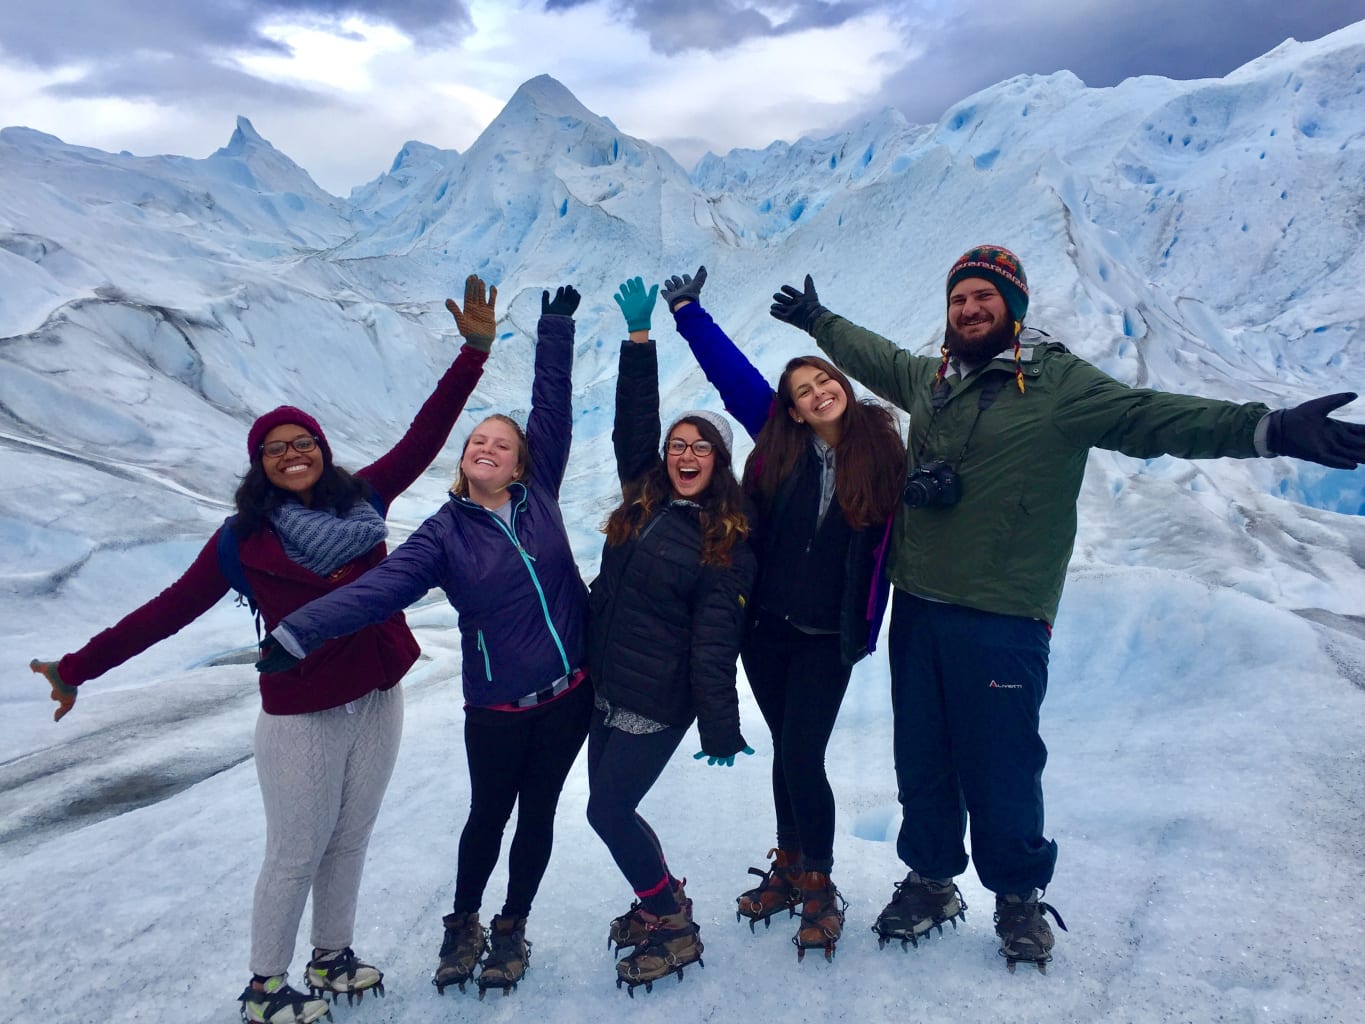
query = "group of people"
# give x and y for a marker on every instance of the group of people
(788, 567)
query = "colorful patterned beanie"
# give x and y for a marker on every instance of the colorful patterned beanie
(1001, 268)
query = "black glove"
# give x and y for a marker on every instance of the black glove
(564, 303)
(274, 658)
(1305, 432)
(683, 289)
(800, 309)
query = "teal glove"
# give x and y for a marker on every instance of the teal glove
(636, 304)
(724, 762)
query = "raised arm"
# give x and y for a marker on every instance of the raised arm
(746, 395)
(636, 430)
(880, 365)
(550, 427)
(395, 472)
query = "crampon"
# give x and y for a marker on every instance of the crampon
(918, 906)
(779, 890)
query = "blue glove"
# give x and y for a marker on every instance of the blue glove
(636, 304)
(725, 762)
(274, 658)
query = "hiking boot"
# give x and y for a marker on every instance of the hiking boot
(1024, 934)
(822, 915)
(918, 905)
(629, 929)
(334, 971)
(276, 1003)
(509, 954)
(461, 949)
(780, 889)
(671, 943)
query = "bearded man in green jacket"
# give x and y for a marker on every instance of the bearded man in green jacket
(1000, 428)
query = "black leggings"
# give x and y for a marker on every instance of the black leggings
(621, 769)
(516, 758)
(799, 681)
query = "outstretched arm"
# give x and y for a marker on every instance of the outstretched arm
(194, 593)
(746, 395)
(405, 575)
(395, 472)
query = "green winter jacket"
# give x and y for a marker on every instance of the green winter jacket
(1005, 545)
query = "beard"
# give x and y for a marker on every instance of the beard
(978, 351)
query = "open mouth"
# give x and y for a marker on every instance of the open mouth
(483, 461)
(688, 474)
(296, 468)
(825, 406)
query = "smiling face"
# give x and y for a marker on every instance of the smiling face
(817, 400)
(979, 323)
(491, 461)
(293, 471)
(689, 473)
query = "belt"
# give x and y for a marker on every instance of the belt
(561, 685)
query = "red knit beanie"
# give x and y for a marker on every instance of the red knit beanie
(279, 417)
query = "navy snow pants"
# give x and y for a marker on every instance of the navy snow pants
(966, 689)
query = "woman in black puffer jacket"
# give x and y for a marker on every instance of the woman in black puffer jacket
(665, 620)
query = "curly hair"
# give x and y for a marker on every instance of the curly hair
(722, 519)
(869, 460)
(257, 497)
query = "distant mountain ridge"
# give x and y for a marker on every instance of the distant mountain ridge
(1196, 236)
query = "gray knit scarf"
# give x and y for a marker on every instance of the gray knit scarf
(322, 541)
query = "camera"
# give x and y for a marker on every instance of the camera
(932, 483)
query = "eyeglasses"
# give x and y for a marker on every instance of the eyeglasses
(300, 444)
(701, 449)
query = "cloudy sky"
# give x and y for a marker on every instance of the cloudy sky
(340, 85)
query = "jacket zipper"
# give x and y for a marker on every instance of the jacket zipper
(527, 560)
(487, 667)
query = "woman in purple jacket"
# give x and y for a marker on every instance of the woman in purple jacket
(824, 475)
(500, 552)
(328, 731)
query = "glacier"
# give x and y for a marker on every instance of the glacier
(1207, 715)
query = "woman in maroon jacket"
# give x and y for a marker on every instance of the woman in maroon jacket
(329, 728)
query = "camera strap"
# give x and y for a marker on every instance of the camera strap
(990, 391)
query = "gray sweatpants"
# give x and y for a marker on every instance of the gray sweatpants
(322, 777)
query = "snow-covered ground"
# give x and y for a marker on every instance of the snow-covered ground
(1207, 709)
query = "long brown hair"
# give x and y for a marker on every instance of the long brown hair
(869, 460)
(460, 488)
(722, 519)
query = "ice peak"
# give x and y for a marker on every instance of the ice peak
(548, 96)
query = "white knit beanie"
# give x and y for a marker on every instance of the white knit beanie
(715, 419)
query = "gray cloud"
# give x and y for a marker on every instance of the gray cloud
(720, 25)
(1101, 43)
(47, 34)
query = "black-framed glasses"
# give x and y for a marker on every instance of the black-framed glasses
(700, 448)
(300, 444)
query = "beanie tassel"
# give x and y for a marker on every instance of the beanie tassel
(1018, 358)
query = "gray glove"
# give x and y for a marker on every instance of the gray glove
(684, 289)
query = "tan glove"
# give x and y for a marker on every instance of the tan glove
(477, 321)
(64, 695)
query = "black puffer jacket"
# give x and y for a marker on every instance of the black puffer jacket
(663, 629)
